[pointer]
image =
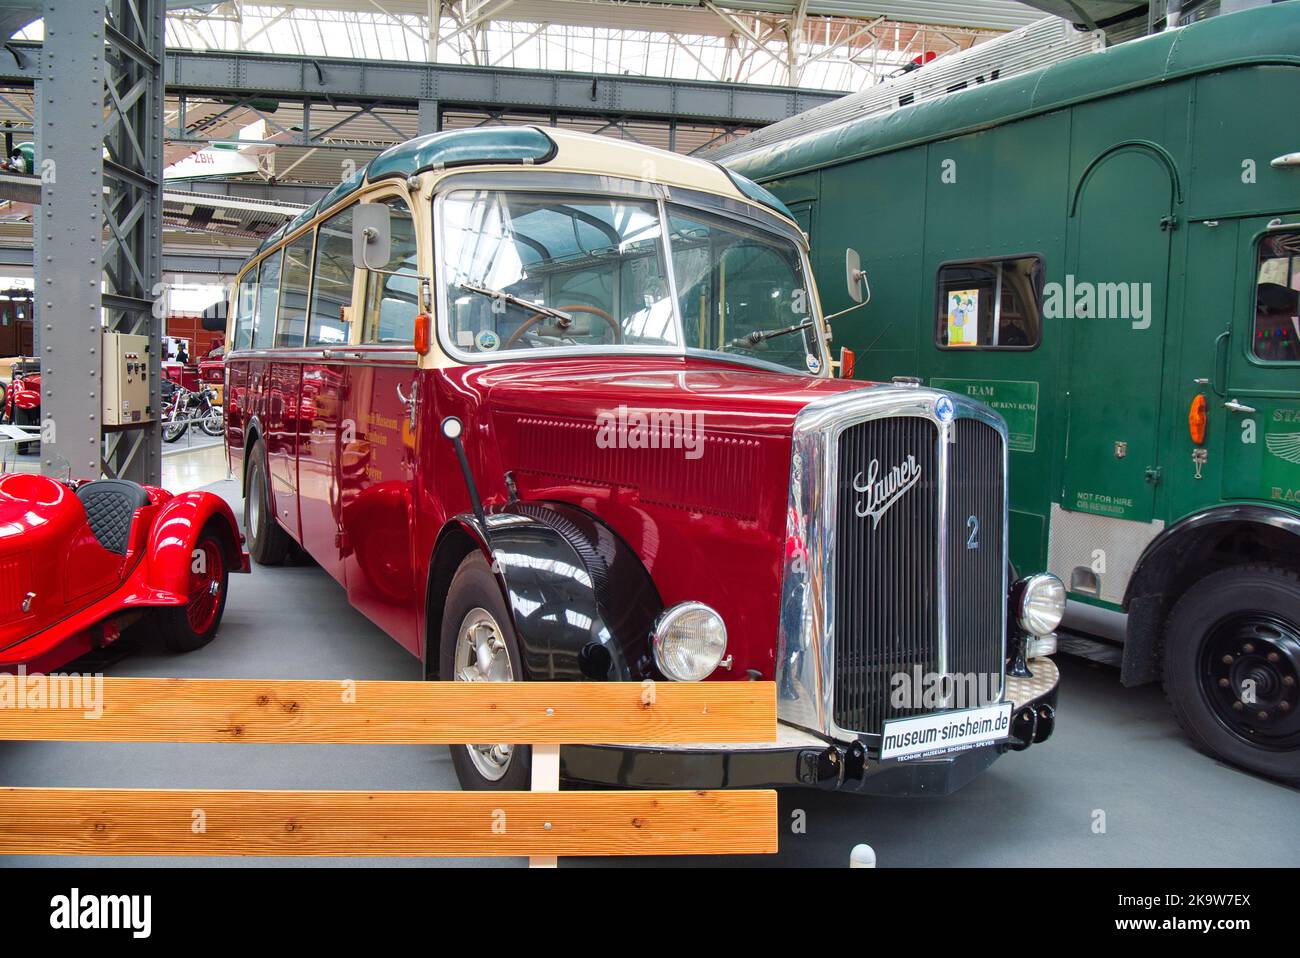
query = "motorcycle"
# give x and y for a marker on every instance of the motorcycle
(20, 401)
(182, 406)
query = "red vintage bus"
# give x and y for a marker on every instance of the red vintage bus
(552, 406)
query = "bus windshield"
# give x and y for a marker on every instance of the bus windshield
(538, 270)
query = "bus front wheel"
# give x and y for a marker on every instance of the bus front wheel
(1232, 668)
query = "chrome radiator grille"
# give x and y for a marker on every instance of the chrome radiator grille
(976, 604)
(917, 585)
(886, 579)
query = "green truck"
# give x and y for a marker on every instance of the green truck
(1107, 252)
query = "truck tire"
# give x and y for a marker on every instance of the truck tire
(186, 628)
(1232, 668)
(478, 644)
(268, 543)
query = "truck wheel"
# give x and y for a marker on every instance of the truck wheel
(1232, 668)
(185, 628)
(268, 544)
(478, 644)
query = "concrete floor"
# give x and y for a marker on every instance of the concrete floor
(1116, 751)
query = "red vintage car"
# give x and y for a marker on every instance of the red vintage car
(82, 561)
(22, 398)
(553, 407)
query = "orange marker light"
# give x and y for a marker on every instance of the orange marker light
(847, 363)
(1196, 419)
(423, 330)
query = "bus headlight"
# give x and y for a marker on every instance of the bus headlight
(689, 641)
(1039, 603)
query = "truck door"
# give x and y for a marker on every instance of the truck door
(1261, 394)
(1113, 301)
(377, 460)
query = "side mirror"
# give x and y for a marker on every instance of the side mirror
(372, 236)
(859, 288)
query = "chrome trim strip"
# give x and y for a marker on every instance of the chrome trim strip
(335, 355)
(805, 667)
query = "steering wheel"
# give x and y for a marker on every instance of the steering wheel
(533, 320)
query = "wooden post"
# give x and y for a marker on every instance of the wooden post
(546, 778)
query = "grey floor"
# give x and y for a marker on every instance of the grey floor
(1117, 760)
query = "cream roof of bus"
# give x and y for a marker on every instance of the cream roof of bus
(550, 149)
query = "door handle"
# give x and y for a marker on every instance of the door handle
(1233, 406)
(1220, 349)
(409, 401)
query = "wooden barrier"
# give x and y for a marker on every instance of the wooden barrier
(542, 824)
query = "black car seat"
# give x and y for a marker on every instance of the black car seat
(110, 506)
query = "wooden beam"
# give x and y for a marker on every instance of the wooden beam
(376, 712)
(92, 821)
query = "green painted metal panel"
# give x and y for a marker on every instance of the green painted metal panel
(1264, 35)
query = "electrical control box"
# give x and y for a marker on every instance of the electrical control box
(126, 379)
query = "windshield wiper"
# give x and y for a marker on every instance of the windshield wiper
(566, 320)
(760, 335)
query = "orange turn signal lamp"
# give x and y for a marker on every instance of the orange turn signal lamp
(847, 363)
(1196, 420)
(423, 333)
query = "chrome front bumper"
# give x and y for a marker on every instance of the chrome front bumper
(800, 758)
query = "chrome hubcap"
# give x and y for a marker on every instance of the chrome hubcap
(482, 656)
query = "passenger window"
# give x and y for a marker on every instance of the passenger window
(268, 298)
(245, 307)
(1277, 316)
(331, 291)
(291, 327)
(992, 304)
(392, 302)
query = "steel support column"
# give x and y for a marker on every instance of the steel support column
(430, 117)
(98, 250)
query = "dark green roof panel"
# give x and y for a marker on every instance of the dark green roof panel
(759, 194)
(493, 144)
(1262, 35)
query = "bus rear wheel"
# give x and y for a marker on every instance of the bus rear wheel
(268, 544)
(1232, 668)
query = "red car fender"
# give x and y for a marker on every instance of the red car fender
(175, 534)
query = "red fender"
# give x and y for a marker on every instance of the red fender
(175, 534)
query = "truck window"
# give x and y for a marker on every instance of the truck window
(1277, 317)
(268, 298)
(990, 304)
(291, 326)
(392, 302)
(245, 305)
(331, 290)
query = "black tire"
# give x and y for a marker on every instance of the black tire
(1232, 668)
(268, 543)
(213, 424)
(186, 628)
(474, 591)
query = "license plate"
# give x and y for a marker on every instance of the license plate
(942, 732)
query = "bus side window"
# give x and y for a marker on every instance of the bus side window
(245, 304)
(990, 304)
(291, 327)
(331, 288)
(268, 298)
(392, 302)
(1276, 337)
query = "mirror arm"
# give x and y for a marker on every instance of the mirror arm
(827, 319)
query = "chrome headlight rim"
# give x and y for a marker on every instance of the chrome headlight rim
(1039, 604)
(660, 631)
